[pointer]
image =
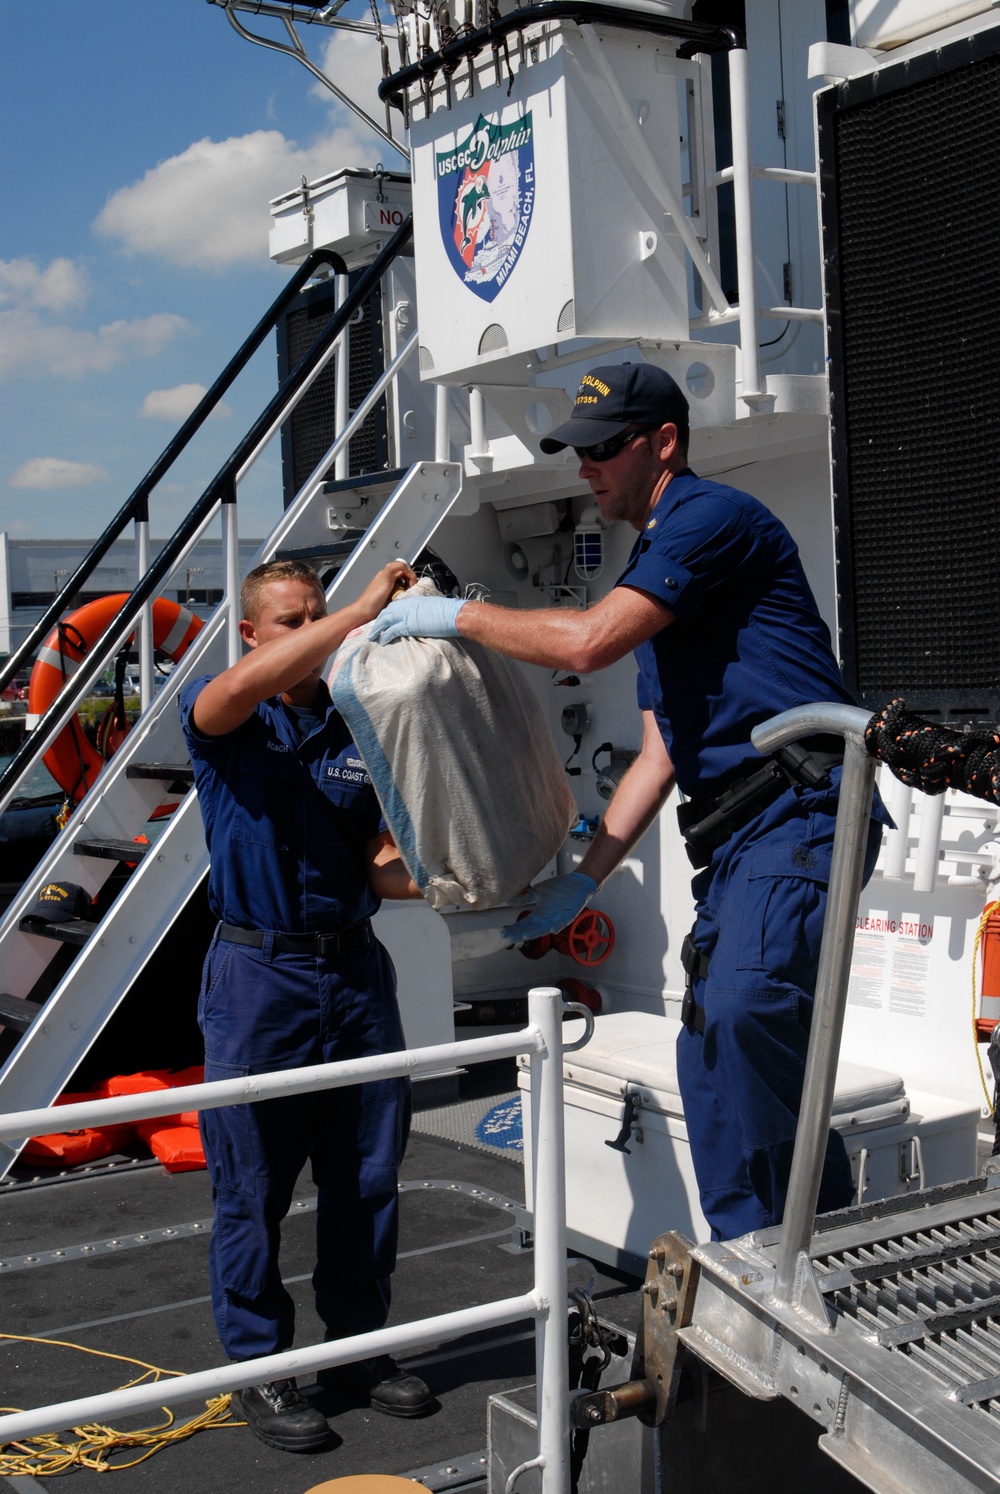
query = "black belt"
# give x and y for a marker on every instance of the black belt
(708, 821)
(326, 945)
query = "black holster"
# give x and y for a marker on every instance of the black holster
(707, 822)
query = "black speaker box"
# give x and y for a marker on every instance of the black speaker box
(310, 429)
(910, 185)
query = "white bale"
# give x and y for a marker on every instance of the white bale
(461, 759)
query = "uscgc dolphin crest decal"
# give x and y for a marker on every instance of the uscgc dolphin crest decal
(486, 192)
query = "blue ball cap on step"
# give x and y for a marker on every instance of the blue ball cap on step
(58, 902)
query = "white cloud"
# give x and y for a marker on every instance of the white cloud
(49, 473)
(176, 404)
(354, 62)
(29, 346)
(208, 206)
(32, 344)
(56, 288)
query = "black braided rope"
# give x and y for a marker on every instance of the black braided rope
(931, 757)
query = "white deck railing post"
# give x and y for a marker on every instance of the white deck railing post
(746, 254)
(545, 1011)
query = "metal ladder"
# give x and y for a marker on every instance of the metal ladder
(61, 983)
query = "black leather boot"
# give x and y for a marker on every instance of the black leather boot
(381, 1383)
(280, 1415)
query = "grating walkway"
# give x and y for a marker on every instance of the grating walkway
(932, 1294)
(896, 1353)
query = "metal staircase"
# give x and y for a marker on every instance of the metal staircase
(62, 982)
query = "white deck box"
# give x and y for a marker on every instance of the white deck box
(616, 1203)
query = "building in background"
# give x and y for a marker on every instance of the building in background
(32, 571)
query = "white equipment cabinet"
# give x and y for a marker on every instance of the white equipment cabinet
(617, 1202)
(535, 220)
(353, 211)
(420, 949)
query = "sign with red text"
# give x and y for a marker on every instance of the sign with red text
(891, 962)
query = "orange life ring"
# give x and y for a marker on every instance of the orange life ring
(989, 948)
(72, 760)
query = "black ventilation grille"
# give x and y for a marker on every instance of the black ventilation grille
(311, 428)
(910, 174)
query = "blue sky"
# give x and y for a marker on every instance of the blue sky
(141, 144)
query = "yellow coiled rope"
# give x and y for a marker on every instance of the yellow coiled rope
(93, 1446)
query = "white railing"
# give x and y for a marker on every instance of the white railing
(542, 1039)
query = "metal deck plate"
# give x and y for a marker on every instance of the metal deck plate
(903, 1380)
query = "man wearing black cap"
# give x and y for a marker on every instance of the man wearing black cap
(717, 610)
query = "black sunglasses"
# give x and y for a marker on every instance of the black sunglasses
(603, 451)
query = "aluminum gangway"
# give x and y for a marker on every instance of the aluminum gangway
(61, 983)
(880, 1322)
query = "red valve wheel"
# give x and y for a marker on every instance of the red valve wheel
(589, 939)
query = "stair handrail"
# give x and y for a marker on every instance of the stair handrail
(136, 505)
(221, 490)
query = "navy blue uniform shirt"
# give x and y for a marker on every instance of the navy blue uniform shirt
(287, 818)
(747, 640)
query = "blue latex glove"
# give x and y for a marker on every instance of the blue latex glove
(420, 617)
(556, 903)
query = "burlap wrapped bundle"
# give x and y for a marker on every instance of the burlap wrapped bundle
(462, 761)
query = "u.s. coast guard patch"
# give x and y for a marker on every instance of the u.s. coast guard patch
(486, 193)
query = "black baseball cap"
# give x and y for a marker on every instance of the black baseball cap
(58, 902)
(611, 399)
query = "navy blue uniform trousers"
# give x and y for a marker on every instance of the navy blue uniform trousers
(260, 1010)
(760, 909)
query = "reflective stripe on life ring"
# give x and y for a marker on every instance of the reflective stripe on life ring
(73, 762)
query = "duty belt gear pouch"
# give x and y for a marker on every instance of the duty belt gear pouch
(695, 966)
(461, 759)
(707, 823)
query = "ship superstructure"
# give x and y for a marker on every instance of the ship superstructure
(792, 208)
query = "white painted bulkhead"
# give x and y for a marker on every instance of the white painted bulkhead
(911, 1004)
